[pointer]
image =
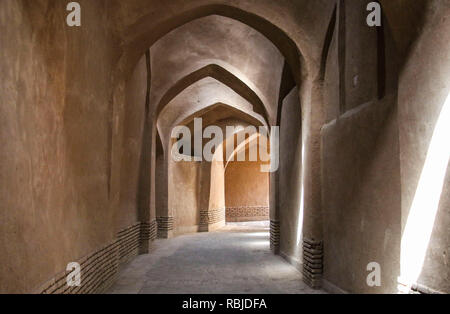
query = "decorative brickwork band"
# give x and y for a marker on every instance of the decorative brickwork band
(275, 236)
(165, 226)
(210, 217)
(247, 213)
(149, 230)
(99, 269)
(130, 241)
(148, 234)
(312, 263)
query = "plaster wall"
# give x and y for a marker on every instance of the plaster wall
(217, 187)
(246, 188)
(160, 178)
(358, 55)
(290, 178)
(184, 192)
(424, 87)
(361, 198)
(132, 159)
(54, 126)
(195, 187)
(360, 163)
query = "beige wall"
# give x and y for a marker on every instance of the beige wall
(246, 185)
(360, 164)
(132, 159)
(217, 188)
(290, 178)
(55, 135)
(194, 187)
(424, 86)
(374, 155)
(246, 191)
(184, 179)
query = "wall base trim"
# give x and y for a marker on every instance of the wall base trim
(275, 236)
(211, 219)
(312, 262)
(247, 213)
(245, 219)
(165, 227)
(100, 268)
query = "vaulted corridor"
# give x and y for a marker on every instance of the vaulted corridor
(141, 139)
(233, 260)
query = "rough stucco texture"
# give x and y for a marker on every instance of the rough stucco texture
(290, 170)
(423, 88)
(54, 134)
(246, 187)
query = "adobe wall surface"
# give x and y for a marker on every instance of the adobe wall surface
(290, 178)
(184, 193)
(360, 156)
(54, 129)
(246, 191)
(424, 88)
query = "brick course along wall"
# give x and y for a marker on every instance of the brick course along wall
(99, 269)
(275, 236)
(246, 192)
(165, 226)
(312, 262)
(211, 217)
(247, 213)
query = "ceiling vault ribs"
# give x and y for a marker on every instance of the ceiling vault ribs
(222, 75)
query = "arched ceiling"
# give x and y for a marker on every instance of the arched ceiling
(251, 142)
(200, 95)
(291, 25)
(222, 116)
(296, 28)
(220, 112)
(226, 49)
(208, 53)
(217, 71)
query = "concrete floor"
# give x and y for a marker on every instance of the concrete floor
(236, 259)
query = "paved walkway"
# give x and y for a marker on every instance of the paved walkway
(236, 259)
